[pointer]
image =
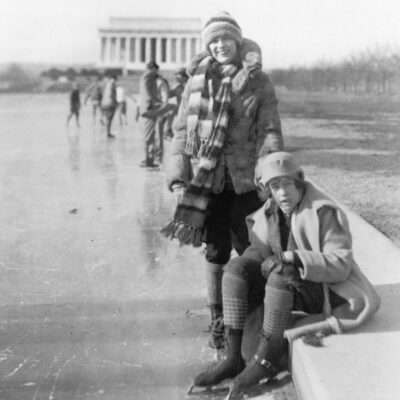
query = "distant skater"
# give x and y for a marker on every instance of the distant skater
(175, 95)
(75, 104)
(121, 105)
(163, 95)
(151, 108)
(148, 103)
(109, 103)
(95, 94)
(181, 78)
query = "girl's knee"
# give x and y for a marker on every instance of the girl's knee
(239, 265)
(234, 285)
(234, 281)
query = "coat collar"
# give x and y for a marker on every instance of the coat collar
(251, 64)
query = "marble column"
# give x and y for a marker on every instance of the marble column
(158, 50)
(174, 49)
(117, 51)
(132, 50)
(103, 49)
(137, 50)
(113, 49)
(188, 50)
(148, 50)
(108, 50)
(178, 50)
(127, 49)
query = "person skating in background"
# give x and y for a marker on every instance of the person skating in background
(300, 258)
(95, 94)
(228, 119)
(175, 97)
(121, 105)
(181, 78)
(163, 96)
(109, 102)
(74, 104)
(151, 107)
(148, 101)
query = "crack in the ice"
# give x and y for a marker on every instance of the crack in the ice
(48, 374)
(51, 396)
(17, 369)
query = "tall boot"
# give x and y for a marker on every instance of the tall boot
(228, 367)
(214, 274)
(265, 363)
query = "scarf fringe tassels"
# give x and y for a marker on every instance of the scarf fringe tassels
(185, 233)
(193, 144)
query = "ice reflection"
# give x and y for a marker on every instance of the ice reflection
(148, 222)
(73, 140)
(104, 154)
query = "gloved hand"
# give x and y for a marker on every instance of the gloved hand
(178, 189)
(270, 264)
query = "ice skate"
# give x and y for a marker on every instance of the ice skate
(258, 369)
(216, 373)
(226, 368)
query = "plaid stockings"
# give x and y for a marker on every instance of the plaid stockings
(235, 311)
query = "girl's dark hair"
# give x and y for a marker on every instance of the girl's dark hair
(300, 184)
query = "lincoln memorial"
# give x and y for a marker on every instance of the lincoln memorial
(129, 43)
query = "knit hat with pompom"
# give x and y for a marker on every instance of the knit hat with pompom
(221, 25)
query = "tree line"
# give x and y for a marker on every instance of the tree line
(70, 73)
(370, 71)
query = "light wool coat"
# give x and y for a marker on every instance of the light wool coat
(325, 250)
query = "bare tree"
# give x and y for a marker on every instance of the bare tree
(372, 70)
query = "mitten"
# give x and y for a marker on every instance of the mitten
(270, 264)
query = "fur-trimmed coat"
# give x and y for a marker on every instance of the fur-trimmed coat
(254, 128)
(324, 247)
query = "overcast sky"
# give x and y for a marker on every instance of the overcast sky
(290, 32)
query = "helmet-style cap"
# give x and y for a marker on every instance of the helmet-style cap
(275, 165)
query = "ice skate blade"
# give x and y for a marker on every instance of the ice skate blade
(249, 391)
(236, 396)
(231, 395)
(156, 168)
(208, 391)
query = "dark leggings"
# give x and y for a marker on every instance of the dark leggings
(225, 225)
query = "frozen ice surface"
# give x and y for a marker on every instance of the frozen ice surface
(94, 303)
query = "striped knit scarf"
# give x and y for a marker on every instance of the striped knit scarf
(207, 114)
